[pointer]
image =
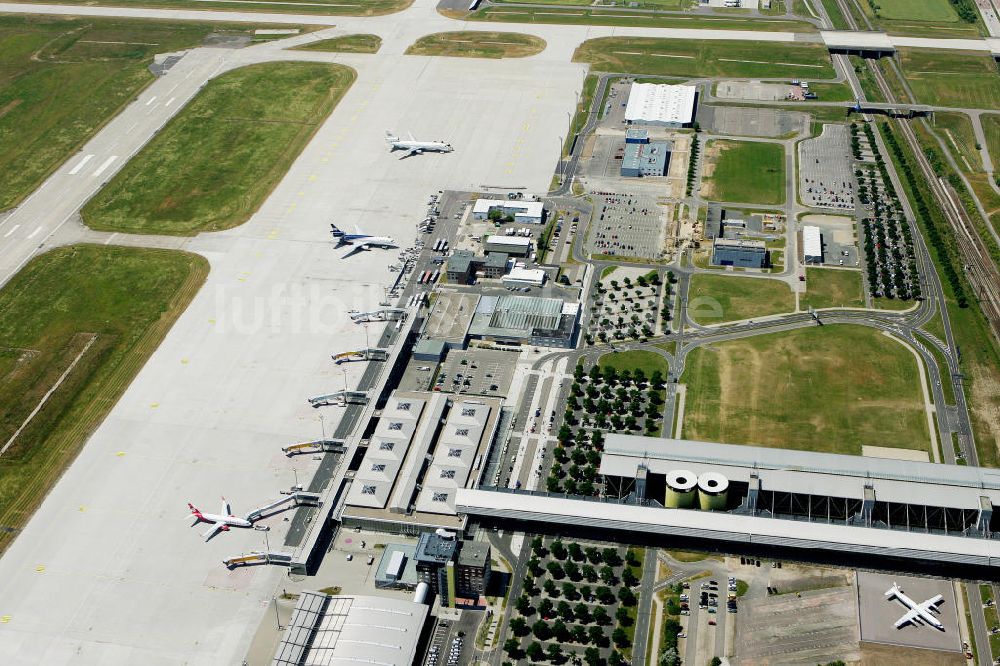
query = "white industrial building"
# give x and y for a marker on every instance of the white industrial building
(524, 277)
(526, 212)
(660, 104)
(515, 246)
(812, 245)
(346, 629)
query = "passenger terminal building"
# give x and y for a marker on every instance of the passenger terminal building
(848, 510)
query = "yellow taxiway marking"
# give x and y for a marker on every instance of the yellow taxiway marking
(82, 508)
(211, 321)
(185, 361)
(4, 619)
(312, 177)
(120, 454)
(40, 568)
(154, 405)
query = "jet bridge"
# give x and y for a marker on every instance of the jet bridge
(340, 398)
(317, 446)
(257, 557)
(298, 498)
(385, 314)
(371, 354)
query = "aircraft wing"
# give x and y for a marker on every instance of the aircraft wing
(355, 249)
(411, 152)
(931, 604)
(910, 616)
(212, 531)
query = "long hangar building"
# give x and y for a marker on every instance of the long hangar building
(847, 510)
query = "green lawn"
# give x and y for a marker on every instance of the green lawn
(579, 15)
(829, 388)
(991, 128)
(934, 11)
(119, 301)
(476, 44)
(718, 298)
(957, 132)
(663, 57)
(218, 159)
(62, 79)
(648, 361)
(947, 78)
(832, 288)
(341, 7)
(345, 44)
(744, 172)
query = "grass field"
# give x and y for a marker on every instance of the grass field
(345, 44)
(664, 57)
(61, 80)
(829, 388)
(219, 158)
(475, 44)
(623, 17)
(636, 358)
(118, 306)
(736, 298)
(957, 79)
(340, 7)
(991, 128)
(935, 11)
(832, 288)
(744, 172)
(957, 131)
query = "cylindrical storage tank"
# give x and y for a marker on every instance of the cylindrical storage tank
(712, 491)
(420, 596)
(681, 485)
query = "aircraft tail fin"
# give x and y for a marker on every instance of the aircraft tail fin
(390, 137)
(337, 233)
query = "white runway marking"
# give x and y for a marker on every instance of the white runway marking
(75, 170)
(34, 233)
(105, 165)
(169, 102)
(151, 100)
(12, 230)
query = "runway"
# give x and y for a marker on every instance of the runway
(108, 571)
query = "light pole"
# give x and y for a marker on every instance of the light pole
(322, 425)
(559, 164)
(277, 620)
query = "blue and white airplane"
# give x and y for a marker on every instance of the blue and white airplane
(414, 147)
(360, 240)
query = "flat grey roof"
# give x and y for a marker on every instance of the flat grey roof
(807, 472)
(728, 527)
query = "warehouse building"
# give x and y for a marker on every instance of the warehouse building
(661, 105)
(645, 159)
(514, 246)
(812, 245)
(524, 277)
(525, 212)
(342, 629)
(546, 322)
(739, 252)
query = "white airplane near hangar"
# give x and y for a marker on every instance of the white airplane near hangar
(414, 147)
(221, 521)
(360, 240)
(918, 614)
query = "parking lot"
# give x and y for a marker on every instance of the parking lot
(627, 225)
(747, 121)
(825, 176)
(477, 371)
